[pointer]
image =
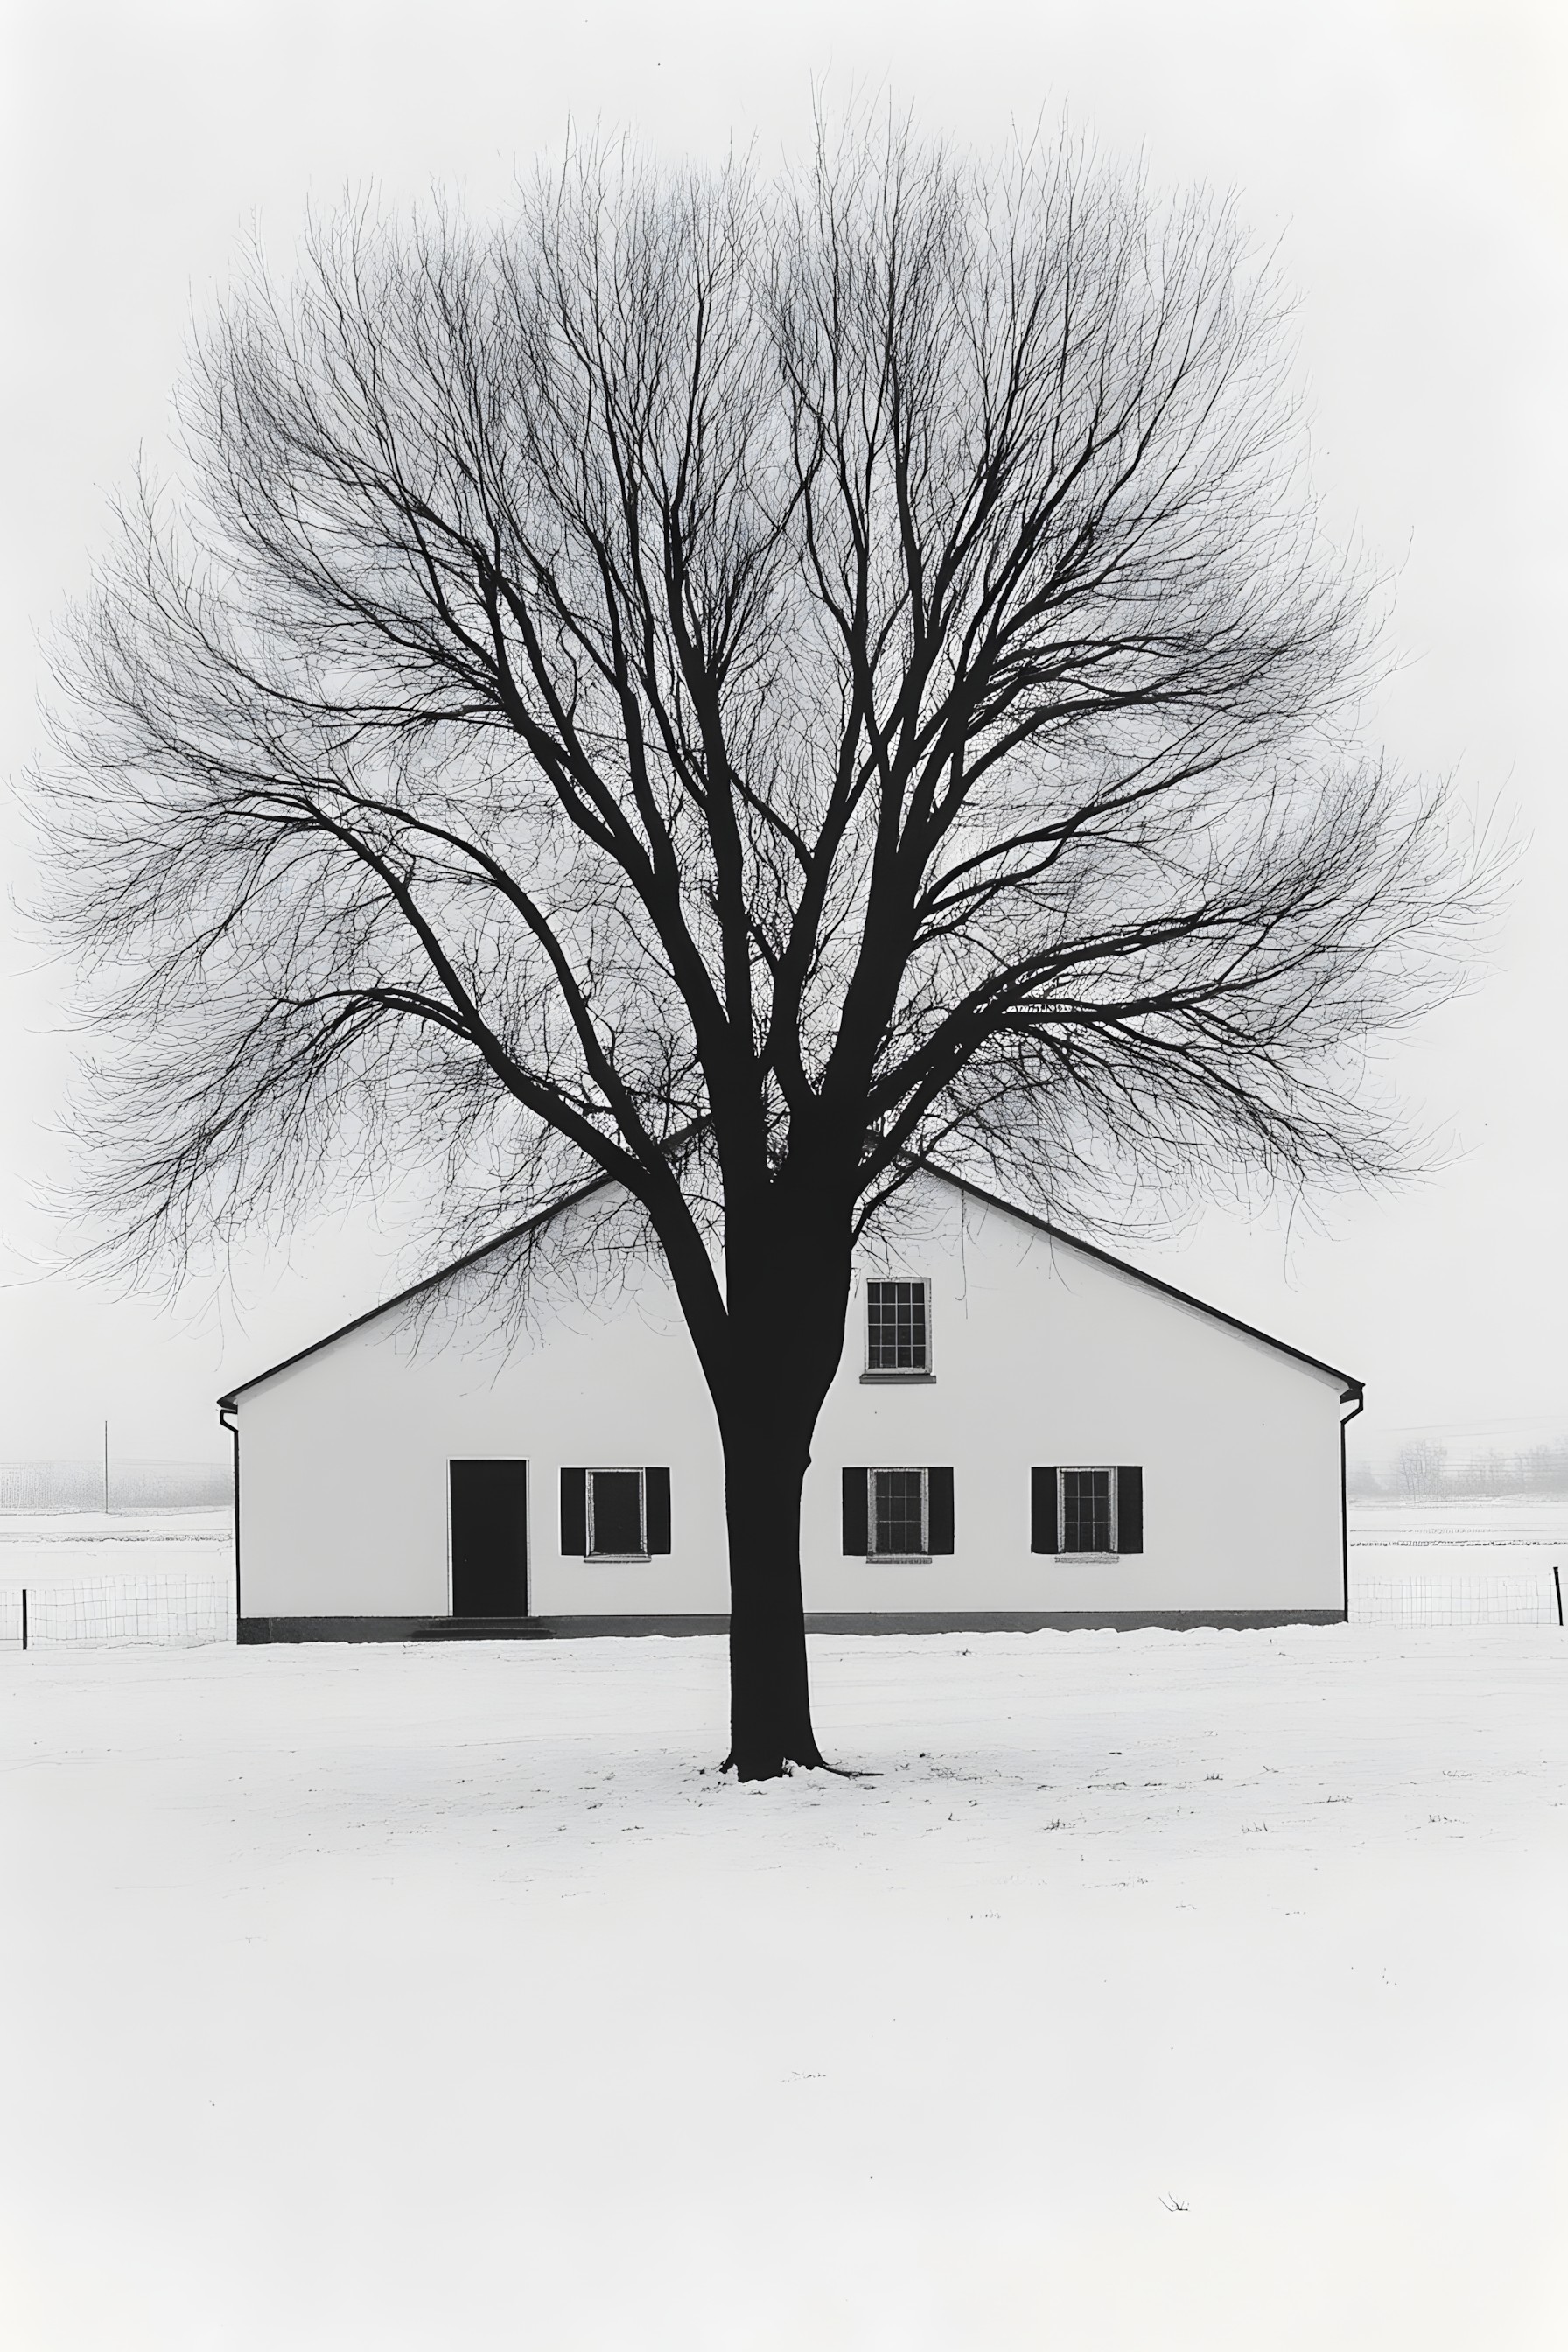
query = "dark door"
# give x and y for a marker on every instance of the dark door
(489, 1538)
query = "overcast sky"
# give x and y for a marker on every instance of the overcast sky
(1409, 159)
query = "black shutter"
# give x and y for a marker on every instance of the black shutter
(656, 1494)
(575, 1513)
(856, 1520)
(1130, 1508)
(938, 1509)
(1043, 1536)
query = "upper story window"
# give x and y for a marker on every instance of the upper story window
(898, 1329)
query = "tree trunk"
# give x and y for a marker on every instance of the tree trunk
(787, 1274)
(769, 1701)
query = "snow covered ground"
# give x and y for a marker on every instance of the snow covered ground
(54, 1547)
(1486, 1519)
(1164, 1991)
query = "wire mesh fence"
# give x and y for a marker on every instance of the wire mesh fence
(186, 1612)
(113, 1611)
(1525, 1597)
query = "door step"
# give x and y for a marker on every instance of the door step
(479, 1628)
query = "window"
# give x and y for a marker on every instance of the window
(615, 1514)
(897, 1513)
(617, 1520)
(1087, 1511)
(898, 1330)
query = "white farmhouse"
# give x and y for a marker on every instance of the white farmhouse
(1024, 1432)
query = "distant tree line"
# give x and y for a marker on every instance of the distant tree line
(1425, 1471)
(133, 1485)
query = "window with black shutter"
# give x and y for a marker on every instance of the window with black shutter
(898, 1513)
(1087, 1511)
(615, 1514)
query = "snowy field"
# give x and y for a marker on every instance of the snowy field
(1165, 1991)
(1480, 1536)
(54, 1548)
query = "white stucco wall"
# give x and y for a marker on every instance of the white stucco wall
(1043, 1354)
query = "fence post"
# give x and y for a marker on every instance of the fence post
(1557, 1584)
(24, 1616)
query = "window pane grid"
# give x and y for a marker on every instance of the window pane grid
(896, 1332)
(1086, 1511)
(898, 1512)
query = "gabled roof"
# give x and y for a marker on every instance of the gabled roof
(1350, 1390)
(416, 1289)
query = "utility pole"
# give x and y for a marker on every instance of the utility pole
(106, 1469)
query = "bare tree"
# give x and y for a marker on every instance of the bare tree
(741, 689)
